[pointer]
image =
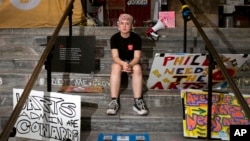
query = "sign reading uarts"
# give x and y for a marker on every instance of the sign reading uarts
(49, 116)
(183, 71)
(226, 111)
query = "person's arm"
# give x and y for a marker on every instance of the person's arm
(136, 59)
(116, 59)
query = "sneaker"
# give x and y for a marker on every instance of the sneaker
(113, 107)
(140, 107)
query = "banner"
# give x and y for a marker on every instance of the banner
(49, 116)
(190, 71)
(225, 110)
(36, 13)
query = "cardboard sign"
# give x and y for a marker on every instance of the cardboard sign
(183, 70)
(82, 89)
(168, 18)
(49, 116)
(226, 111)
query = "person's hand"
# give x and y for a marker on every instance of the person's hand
(127, 68)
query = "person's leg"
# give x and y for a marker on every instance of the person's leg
(137, 81)
(115, 79)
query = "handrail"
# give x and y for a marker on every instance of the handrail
(19, 106)
(221, 65)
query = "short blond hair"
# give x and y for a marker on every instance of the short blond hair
(127, 17)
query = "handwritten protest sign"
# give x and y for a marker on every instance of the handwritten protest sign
(49, 116)
(226, 111)
(183, 70)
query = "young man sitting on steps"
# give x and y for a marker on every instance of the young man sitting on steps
(126, 54)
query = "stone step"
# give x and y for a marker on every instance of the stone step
(27, 66)
(10, 80)
(22, 63)
(164, 106)
(16, 79)
(20, 50)
(20, 78)
(160, 119)
(153, 136)
(170, 44)
(34, 40)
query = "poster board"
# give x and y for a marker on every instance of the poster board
(226, 111)
(49, 116)
(168, 18)
(184, 70)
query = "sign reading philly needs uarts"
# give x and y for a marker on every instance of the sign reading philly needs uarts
(183, 70)
(49, 116)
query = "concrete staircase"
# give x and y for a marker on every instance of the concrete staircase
(20, 50)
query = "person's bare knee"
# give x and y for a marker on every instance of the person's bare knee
(116, 69)
(137, 70)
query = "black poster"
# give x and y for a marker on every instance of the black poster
(73, 54)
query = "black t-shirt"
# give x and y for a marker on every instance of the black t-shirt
(126, 46)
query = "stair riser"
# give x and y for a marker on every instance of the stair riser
(6, 99)
(130, 125)
(168, 120)
(6, 65)
(56, 80)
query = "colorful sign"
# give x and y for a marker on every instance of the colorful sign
(168, 18)
(36, 13)
(49, 116)
(183, 70)
(226, 111)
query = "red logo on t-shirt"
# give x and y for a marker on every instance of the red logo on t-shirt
(130, 47)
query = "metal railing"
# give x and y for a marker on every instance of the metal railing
(19, 106)
(187, 15)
